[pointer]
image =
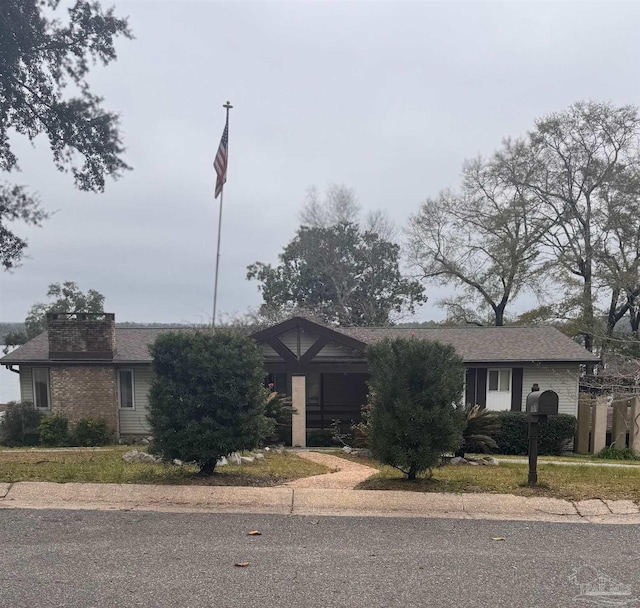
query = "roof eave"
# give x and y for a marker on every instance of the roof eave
(530, 361)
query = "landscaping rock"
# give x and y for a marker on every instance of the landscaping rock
(178, 462)
(267, 449)
(234, 458)
(347, 449)
(135, 456)
(246, 459)
(361, 453)
(490, 461)
(259, 456)
(222, 462)
(458, 460)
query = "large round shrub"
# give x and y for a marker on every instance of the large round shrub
(415, 386)
(207, 398)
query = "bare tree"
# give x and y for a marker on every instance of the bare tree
(618, 257)
(485, 240)
(574, 158)
(338, 205)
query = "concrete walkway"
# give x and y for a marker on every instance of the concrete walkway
(346, 474)
(312, 501)
(327, 494)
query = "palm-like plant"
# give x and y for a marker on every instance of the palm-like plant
(480, 426)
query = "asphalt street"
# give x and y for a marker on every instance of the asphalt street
(102, 559)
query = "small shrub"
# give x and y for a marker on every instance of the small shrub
(480, 427)
(54, 430)
(91, 432)
(278, 409)
(320, 438)
(19, 425)
(555, 434)
(362, 430)
(340, 435)
(615, 454)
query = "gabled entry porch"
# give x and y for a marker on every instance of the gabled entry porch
(324, 371)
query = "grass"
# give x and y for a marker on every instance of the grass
(571, 482)
(100, 466)
(577, 458)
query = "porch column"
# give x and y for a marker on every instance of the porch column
(634, 426)
(299, 419)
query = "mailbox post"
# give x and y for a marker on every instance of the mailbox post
(540, 404)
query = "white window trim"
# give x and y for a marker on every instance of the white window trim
(133, 389)
(500, 369)
(33, 388)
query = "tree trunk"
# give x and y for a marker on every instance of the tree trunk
(207, 468)
(413, 470)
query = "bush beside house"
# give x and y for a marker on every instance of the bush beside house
(207, 397)
(24, 426)
(415, 386)
(556, 434)
(19, 426)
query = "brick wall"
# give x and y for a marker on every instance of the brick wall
(85, 392)
(92, 335)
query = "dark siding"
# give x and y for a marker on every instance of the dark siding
(476, 386)
(470, 386)
(481, 384)
(516, 389)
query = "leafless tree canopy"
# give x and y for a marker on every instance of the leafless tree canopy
(561, 205)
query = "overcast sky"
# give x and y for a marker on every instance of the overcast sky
(388, 98)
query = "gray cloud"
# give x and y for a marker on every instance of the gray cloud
(388, 98)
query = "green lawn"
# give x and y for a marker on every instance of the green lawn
(572, 482)
(577, 458)
(100, 466)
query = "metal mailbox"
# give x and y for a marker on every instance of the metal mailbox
(542, 403)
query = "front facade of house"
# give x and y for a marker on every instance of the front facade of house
(85, 366)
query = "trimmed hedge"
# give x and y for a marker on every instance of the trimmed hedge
(54, 431)
(91, 432)
(556, 433)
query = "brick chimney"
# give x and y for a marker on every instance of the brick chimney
(81, 335)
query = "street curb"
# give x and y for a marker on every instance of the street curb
(308, 501)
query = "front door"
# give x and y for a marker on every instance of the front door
(499, 389)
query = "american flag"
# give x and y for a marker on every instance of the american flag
(220, 163)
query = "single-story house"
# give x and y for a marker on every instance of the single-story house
(84, 365)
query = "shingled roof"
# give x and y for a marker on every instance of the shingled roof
(474, 345)
(488, 344)
(132, 346)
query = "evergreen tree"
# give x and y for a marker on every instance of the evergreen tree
(415, 386)
(207, 398)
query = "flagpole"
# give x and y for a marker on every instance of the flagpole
(227, 107)
(215, 288)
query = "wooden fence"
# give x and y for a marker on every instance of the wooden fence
(602, 422)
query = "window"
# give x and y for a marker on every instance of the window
(500, 380)
(125, 386)
(41, 388)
